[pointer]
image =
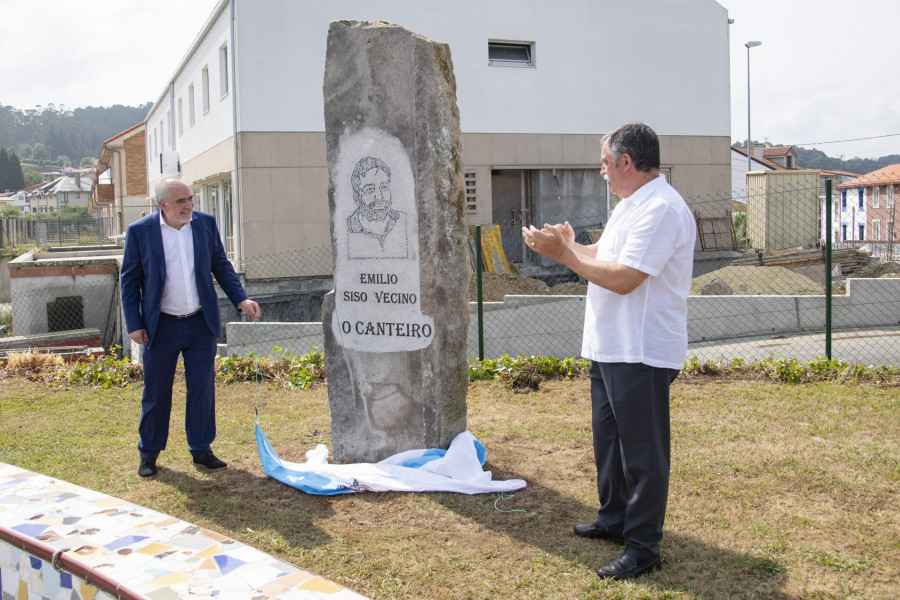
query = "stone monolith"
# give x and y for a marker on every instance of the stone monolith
(395, 324)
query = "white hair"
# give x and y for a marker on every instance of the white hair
(164, 187)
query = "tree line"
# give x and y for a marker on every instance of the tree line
(59, 137)
(810, 158)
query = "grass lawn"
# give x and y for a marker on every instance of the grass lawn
(778, 490)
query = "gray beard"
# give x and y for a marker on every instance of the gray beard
(374, 214)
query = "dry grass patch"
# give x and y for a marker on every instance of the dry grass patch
(778, 491)
(30, 363)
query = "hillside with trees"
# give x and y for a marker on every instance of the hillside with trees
(810, 158)
(816, 159)
(54, 136)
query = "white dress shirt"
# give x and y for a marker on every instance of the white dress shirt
(652, 231)
(180, 295)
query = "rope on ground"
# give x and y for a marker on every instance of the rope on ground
(506, 496)
(258, 376)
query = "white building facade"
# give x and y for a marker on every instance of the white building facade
(538, 85)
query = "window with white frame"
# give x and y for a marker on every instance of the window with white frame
(876, 196)
(510, 54)
(876, 230)
(180, 117)
(843, 199)
(204, 88)
(170, 125)
(890, 200)
(862, 232)
(162, 136)
(471, 191)
(223, 70)
(191, 104)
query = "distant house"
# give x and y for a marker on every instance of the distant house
(868, 211)
(63, 192)
(783, 156)
(120, 192)
(22, 198)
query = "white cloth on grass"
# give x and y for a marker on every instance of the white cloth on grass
(457, 469)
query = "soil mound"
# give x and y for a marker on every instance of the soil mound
(756, 281)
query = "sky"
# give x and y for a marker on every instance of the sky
(93, 52)
(825, 72)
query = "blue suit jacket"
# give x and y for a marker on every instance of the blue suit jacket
(144, 272)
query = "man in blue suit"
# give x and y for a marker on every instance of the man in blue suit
(171, 308)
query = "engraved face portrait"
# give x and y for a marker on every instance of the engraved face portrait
(376, 229)
(371, 181)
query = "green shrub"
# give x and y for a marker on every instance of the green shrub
(526, 372)
(107, 372)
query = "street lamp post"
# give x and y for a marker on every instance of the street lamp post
(749, 148)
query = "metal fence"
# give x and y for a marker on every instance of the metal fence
(775, 275)
(55, 231)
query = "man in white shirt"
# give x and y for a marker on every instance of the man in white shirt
(635, 334)
(171, 309)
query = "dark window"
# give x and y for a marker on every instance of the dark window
(510, 53)
(64, 314)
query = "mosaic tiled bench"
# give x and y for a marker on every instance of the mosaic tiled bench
(153, 555)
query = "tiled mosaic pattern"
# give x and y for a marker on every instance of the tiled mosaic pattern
(155, 555)
(24, 577)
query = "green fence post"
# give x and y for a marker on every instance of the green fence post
(478, 268)
(828, 268)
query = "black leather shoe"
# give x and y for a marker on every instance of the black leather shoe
(626, 567)
(595, 531)
(148, 467)
(208, 459)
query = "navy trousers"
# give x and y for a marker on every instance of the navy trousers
(191, 338)
(630, 419)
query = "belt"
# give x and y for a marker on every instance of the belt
(196, 312)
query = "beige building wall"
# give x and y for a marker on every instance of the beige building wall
(700, 165)
(215, 163)
(284, 203)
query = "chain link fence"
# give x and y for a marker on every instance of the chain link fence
(766, 282)
(761, 288)
(71, 316)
